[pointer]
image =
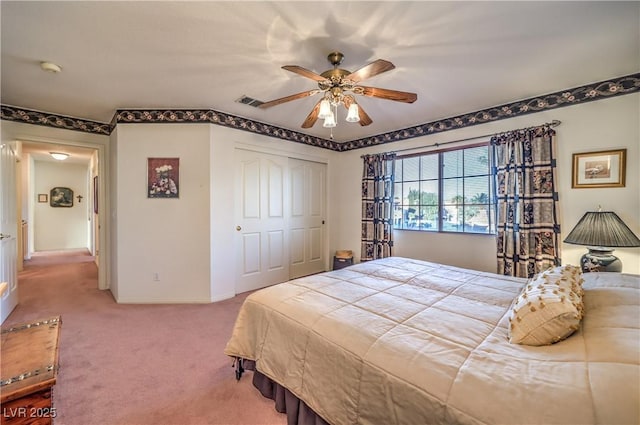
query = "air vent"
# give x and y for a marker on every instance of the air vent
(249, 101)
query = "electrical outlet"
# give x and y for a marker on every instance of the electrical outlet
(156, 277)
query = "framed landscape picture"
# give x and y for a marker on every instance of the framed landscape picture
(599, 169)
(61, 197)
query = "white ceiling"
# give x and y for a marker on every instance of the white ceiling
(459, 57)
(42, 152)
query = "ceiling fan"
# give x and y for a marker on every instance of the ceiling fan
(338, 87)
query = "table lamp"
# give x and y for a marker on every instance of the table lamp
(602, 231)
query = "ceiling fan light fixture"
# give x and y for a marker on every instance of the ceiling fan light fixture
(325, 109)
(353, 113)
(59, 155)
(330, 121)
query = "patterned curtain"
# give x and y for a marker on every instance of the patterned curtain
(528, 229)
(377, 206)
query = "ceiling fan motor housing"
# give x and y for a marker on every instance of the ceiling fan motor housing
(335, 77)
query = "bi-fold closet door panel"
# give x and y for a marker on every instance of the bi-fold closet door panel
(307, 217)
(279, 208)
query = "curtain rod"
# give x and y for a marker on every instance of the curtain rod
(553, 123)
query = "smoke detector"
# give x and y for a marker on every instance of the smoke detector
(50, 67)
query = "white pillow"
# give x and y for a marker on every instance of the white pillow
(549, 308)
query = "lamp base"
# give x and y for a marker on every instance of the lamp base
(600, 260)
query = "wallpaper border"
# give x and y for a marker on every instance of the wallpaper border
(155, 116)
(587, 93)
(16, 113)
(569, 97)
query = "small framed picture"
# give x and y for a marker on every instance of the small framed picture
(599, 169)
(163, 177)
(43, 197)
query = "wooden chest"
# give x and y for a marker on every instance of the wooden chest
(29, 368)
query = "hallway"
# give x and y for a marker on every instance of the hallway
(42, 291)
(40, 258)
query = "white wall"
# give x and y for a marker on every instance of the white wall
(92, 225)
(167, 237)
(188, 241)
(110, 188)
(63, 227)
(26, 202)
(606, 124)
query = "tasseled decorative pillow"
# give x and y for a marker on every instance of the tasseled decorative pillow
(549, 308)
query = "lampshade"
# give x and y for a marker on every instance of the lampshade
(59, 155)
(325, 110)
(330, 121)
(602, 228)
(602, 231)
(353, 115)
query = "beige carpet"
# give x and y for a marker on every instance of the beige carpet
(136, 364)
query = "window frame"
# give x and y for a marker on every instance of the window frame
(490, 205)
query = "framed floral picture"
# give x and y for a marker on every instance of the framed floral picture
(163, 177)
(599, 169)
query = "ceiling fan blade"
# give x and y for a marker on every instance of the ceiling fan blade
(312, 117)
(374, 68)
(304, 72)
(398, 96)
(365, 119)
(288, 98)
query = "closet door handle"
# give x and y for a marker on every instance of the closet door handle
(238, 228)
(3, 236)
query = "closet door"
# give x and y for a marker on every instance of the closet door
(261, 205)
(306, 224)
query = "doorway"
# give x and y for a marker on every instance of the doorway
(84, 226)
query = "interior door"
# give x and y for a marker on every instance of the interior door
(8, 230)
(262, 247)
(307, 183)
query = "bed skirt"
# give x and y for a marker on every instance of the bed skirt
(297, 411)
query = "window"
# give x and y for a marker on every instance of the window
(445, 191)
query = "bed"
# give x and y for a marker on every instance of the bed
(403, 341)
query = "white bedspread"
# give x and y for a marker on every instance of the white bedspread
(401, 341)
